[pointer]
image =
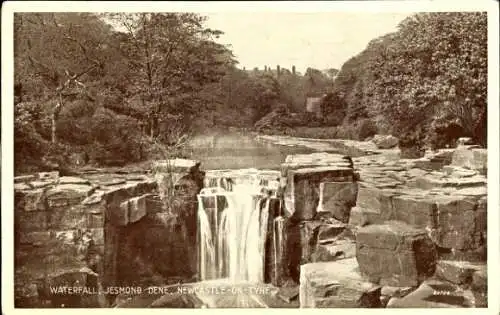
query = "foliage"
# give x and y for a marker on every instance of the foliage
(107, 88)
(124, 86)
(434, 65)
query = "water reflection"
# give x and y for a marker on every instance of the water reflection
(235, 150)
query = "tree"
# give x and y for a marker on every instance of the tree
(433, 67)
(171, 56)
(55, 53)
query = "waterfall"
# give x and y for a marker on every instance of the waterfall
(233, 233)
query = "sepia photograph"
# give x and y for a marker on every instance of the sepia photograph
(262, 156)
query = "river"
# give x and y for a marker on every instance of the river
(235, 150)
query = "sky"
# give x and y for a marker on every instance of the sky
(317, 40)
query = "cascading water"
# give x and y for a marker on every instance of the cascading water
(233, 216)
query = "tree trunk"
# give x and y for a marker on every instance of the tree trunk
(55, 116)
(54, 119)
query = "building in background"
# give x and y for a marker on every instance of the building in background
(313, 104)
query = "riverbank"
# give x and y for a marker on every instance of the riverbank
(352, 148)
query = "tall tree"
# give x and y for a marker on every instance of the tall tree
(171, 56)
(56, 54)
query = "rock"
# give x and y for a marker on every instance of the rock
(288, 294)
(480, 279)
(457, 171)
(458, 272)
(77, 280)
(35, 238)
(336, 284)
(456, 222)
(433, 294)
(411, 153)
(385, 141)
(395, 254)
(24, 179)
(464, 141)
(48, 176)
(98, 235)
(30, 200)
(416, 210)
(471, 191)
(22, 186)
(41, 184)
(68, 194)
(330, 230)
(137, 208)
(397, 292)
(153, 204)
(67, 218)
(376, 200)
(113, 182)
(362, 216)
(337, 199)
(73, 180)
(302, 190)
(95, 198)
(31, 221)
(334, 250)
(308, 239)
(471, 158)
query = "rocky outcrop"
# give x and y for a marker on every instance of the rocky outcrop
(385, 141)
(336, 200)
(304, 174)
(435, 294)
(60, 228)
(341, 146)
(395, 254)
(471, 157)
(336, 285)
(115, 224)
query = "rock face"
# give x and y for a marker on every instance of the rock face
(179, 182)
(385, 141)
(336, 200)
(60, 229)
(458, 272)
(395, 254)
(336, 285)
(435, 294)
(304, 174)
(304, 188)
(471, 157)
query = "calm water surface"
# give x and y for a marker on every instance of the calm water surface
(234, 150)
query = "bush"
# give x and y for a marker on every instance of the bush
(366, 128)
(117, 139)
(444, 134)
(411, 145)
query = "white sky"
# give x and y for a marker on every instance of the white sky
(318, 40)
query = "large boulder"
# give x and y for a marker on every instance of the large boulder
(385, 141)
(336, 284)
(377, 200)
(471, 157)
(395, 254)
(460, 223)
(415, 209)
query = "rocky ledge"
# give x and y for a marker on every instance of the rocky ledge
(392, 232)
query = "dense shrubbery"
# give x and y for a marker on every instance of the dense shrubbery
(108, 92)
(434, 66)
